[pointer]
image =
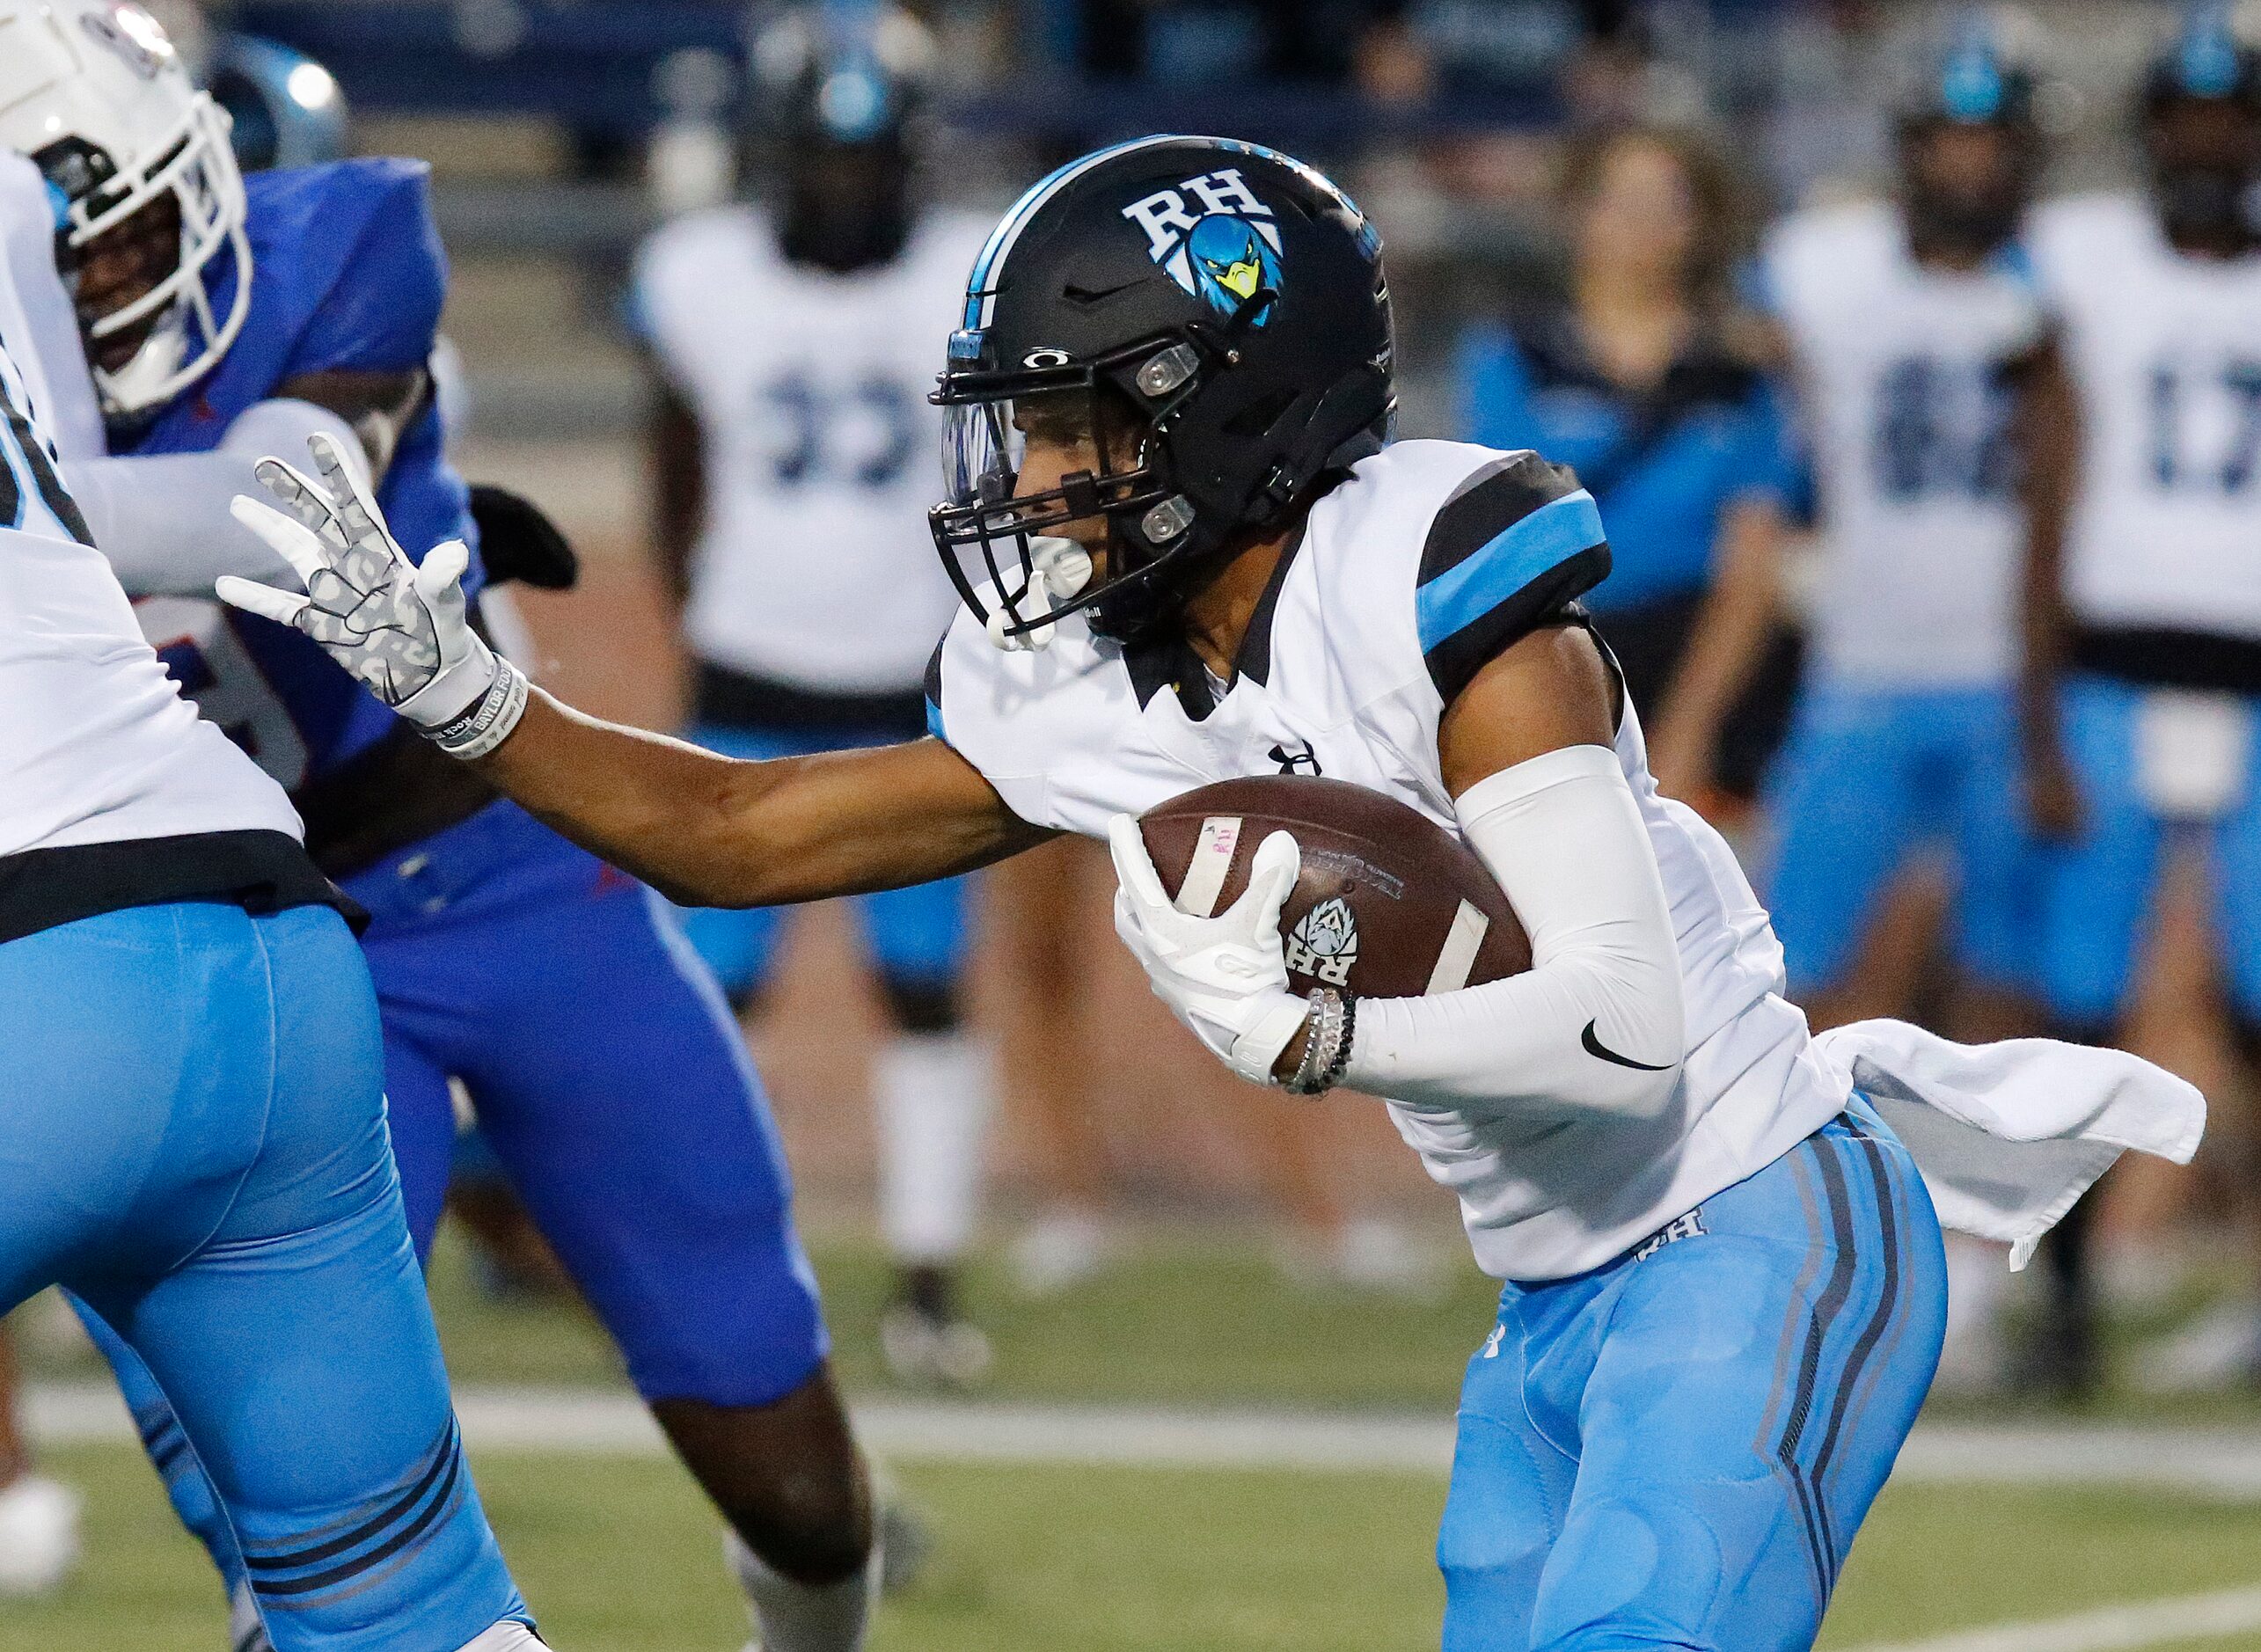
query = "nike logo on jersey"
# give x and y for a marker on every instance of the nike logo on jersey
(1595, 1047)
(1302, 762)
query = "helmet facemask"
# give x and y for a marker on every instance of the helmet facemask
(189, 195)
(1061, 496)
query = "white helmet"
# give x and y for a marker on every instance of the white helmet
(94, 92)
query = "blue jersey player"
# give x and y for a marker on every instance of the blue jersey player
(606, 1070)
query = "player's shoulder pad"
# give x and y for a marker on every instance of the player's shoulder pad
(357, 242)
(1516, 540)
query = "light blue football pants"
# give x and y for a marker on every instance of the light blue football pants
(1676, 1449)
(193, 1140)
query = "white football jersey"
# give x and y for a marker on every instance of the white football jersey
(1908, 413)
(2165, 351)
(1407, 578)
(815, 568)
(96, 743)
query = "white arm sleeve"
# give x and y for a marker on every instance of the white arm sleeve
(163, 521)
(1597, 1023)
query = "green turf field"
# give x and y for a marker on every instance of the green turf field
(620, 1557)
(618, 1552)
(1197, 1317)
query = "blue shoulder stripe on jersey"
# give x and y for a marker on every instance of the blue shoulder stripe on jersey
(935, 722)
(1506, 564)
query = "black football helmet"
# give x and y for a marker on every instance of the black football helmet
(2202, 115)
(1985, 74)
(839, 105)
(1219, 312)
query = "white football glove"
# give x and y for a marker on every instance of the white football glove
(403, 630)
(1225, 977)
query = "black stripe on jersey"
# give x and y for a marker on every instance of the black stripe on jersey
(1487, 504)
(1550, 599)
(52, 492)
(1255, 659)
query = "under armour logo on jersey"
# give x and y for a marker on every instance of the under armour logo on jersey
(1214, 237)
(1491, 1343)
(1302, 762)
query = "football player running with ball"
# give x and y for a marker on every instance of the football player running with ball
(1185, 540)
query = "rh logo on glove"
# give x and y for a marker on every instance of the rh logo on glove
(1325, 945)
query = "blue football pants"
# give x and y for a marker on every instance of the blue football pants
(2102, 885)
(193, 1140)
(616, 1092)
(1676, 1449)
(1867, 775)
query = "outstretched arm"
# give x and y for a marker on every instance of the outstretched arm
(712, 831)
(703, 828)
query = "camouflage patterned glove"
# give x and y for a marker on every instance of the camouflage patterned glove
(403, 630)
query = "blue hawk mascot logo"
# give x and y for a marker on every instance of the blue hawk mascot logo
(1215, 238)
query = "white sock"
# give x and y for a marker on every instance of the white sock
(790, 1617)
(934, 1092)
(509, 1635)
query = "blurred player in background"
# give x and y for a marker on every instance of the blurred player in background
(2144, 585)
(192, 1112)
(1908, 324)
(605, 1069)
(1645, 382)
(791, 448)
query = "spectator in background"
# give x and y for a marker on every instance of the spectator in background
(1645, 379)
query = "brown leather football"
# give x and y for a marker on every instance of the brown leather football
(1390, 904)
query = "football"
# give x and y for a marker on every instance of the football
(1390, 905)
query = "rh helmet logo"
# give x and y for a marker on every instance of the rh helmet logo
(1325, 944)
(1215, 237)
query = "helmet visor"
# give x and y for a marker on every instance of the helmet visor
(1025, 474)
(982, 452)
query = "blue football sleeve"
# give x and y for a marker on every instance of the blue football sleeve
(1518, 543)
